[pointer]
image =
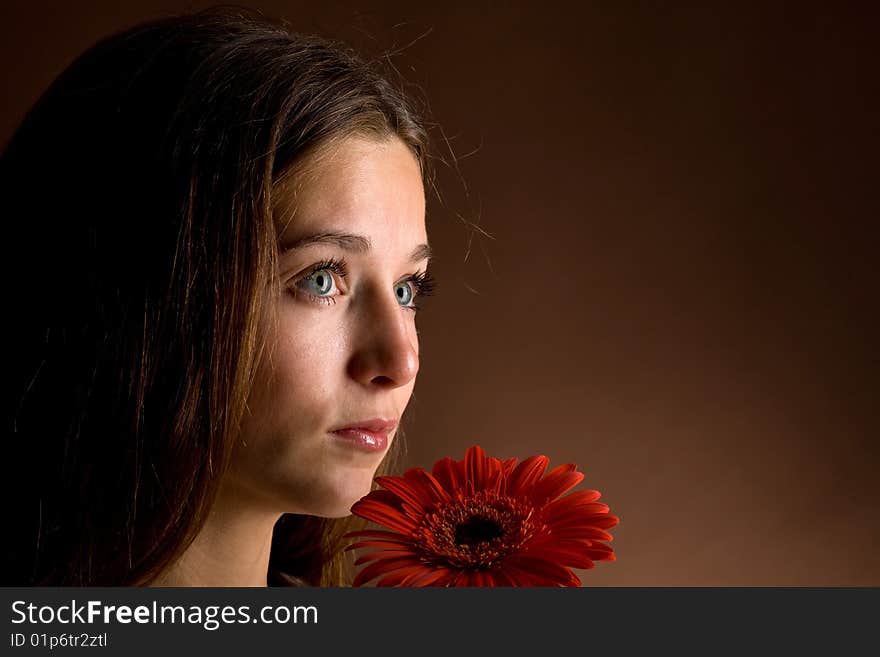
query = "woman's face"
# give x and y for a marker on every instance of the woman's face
(346, 349)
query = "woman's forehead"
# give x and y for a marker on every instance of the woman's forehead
(360, 185)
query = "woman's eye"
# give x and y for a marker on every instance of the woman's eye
(320, 285)
(404, 293)
(319, 282)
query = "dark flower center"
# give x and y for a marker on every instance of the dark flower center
(477, 529)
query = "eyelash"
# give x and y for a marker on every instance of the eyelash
(423, 282)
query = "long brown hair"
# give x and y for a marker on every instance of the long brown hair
(137, 197)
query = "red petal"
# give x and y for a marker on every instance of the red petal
(581, 499)
(495, 481)
(476, 467)
(430, 485)
(502, 577)
(597, 520)
(558, 481)
(445, 471)
(483, 578)
(600, 552)
(385, 545)
(604, 520)
(458, 579)
(399, 576)
(507, 467)
(447, 578)
(431, 490)
(495, 474)
(382, 567)
(384, 554)
(406, 492)
(526, 577)
(574, 515)
(546, 571)
(585, 496)
(565, 553)
(384, 515)
(463, 579)
(377, 533)
(583, 532)
(522, 577)
(425, 577)
(579, 515)
(384, 497)
(526, 474)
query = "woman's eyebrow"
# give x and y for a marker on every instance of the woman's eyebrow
(350, 242)
(421, 252)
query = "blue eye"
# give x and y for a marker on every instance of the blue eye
(320, 284)
(404, 293)
(411, 291)
(320, 281)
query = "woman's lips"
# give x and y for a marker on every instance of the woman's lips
(366, 435)
(367, 441)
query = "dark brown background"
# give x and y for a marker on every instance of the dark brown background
(679, 293)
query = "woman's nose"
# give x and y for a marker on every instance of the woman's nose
(386, 348)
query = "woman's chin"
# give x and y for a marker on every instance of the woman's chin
(343, 510)
(337, 502)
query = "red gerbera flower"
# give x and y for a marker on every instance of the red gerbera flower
(482, 522)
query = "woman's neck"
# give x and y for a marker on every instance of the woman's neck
(232, 549)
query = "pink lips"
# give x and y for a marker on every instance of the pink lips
(367, 435)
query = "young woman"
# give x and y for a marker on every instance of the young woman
(216, 249)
